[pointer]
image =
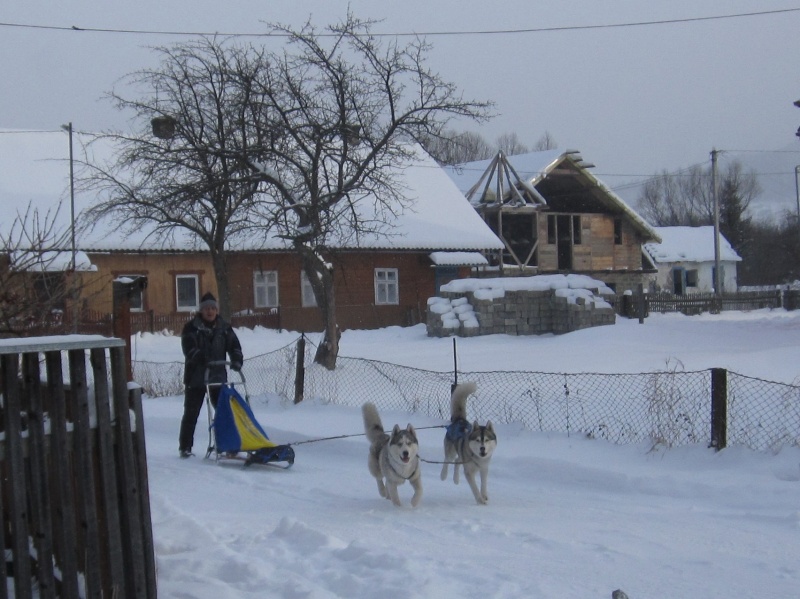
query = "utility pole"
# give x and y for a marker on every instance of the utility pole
(73, 261)
(715, 195)
(797, 191)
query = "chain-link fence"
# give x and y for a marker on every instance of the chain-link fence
(762, 414)
(666, 408)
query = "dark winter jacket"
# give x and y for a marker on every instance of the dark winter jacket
(203, 343)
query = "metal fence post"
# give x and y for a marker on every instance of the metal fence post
(300, 372)
(641, 303)
(719, 408)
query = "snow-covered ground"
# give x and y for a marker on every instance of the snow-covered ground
(568, 517)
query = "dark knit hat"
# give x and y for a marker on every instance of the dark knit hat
(209, 301)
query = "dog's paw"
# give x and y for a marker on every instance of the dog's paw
(382, 491)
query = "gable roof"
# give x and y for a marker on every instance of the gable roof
(560, 178)
(36, 169)
(689, 244)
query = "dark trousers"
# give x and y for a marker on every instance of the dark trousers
(192, 405)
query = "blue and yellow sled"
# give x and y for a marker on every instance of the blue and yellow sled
(234, 430)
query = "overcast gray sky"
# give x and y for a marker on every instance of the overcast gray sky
(633, 99)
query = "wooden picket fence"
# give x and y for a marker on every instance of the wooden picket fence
(74, 489)
(698, 303)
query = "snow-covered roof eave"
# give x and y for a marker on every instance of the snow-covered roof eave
(458, 259)
(51, 261)
(685, 244)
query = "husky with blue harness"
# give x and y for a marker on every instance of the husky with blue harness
(468, 445)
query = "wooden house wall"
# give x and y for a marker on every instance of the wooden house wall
(354, 275)
(548, 252)
(597, 250)
(354, 280)
(601, 238)
(628, 255)
(160, 270)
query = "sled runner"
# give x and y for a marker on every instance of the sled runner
(234, 432)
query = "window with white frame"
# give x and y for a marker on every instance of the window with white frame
(265, 288)
(307, 298)
(136, 296)
(386, 286)
(186, 293)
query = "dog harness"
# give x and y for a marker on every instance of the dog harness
(458, 429)
(410, 476)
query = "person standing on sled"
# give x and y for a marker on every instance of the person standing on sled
(206, 338)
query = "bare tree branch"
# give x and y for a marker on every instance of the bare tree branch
(304, 143)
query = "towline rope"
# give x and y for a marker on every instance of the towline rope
(422, 428)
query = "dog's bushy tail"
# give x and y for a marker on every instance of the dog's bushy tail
(373, 427)
(458, 401)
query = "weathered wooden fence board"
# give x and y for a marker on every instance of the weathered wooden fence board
(64, 521)
(74, 490)
(39, 484)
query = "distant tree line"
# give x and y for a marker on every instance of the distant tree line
(451, 147)
(770, 251)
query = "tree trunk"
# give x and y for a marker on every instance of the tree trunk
(321, 280)
(220, 262)
(328, 349)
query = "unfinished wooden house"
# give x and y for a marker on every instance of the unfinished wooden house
(554, 216)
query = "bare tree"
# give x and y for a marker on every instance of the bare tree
(296, 142)
(510, 145)
(772, 253)
(545, 142)
(36, 273)
(664, 203)
(194, 174)
(737, 190)
(347, 106)
(451, 147)
(687, 198)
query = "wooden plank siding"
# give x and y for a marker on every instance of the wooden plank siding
(601, 240)
(597, 250)
(354, 279)
(160, 270)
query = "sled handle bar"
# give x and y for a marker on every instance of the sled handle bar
(226, 364)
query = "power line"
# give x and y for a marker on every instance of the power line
(16, 131)
(642, 177)
(279, 34)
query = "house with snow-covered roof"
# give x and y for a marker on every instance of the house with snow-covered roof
(686, 262)
(554, 216)
(380, 280)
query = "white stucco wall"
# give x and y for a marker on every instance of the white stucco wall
(705, 276)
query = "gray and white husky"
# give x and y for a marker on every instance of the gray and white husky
(468, 445)
(393, 459)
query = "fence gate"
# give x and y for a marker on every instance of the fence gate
(73, 475)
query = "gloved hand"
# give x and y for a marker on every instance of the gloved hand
(236, 366)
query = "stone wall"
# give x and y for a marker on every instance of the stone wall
(522, 312)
